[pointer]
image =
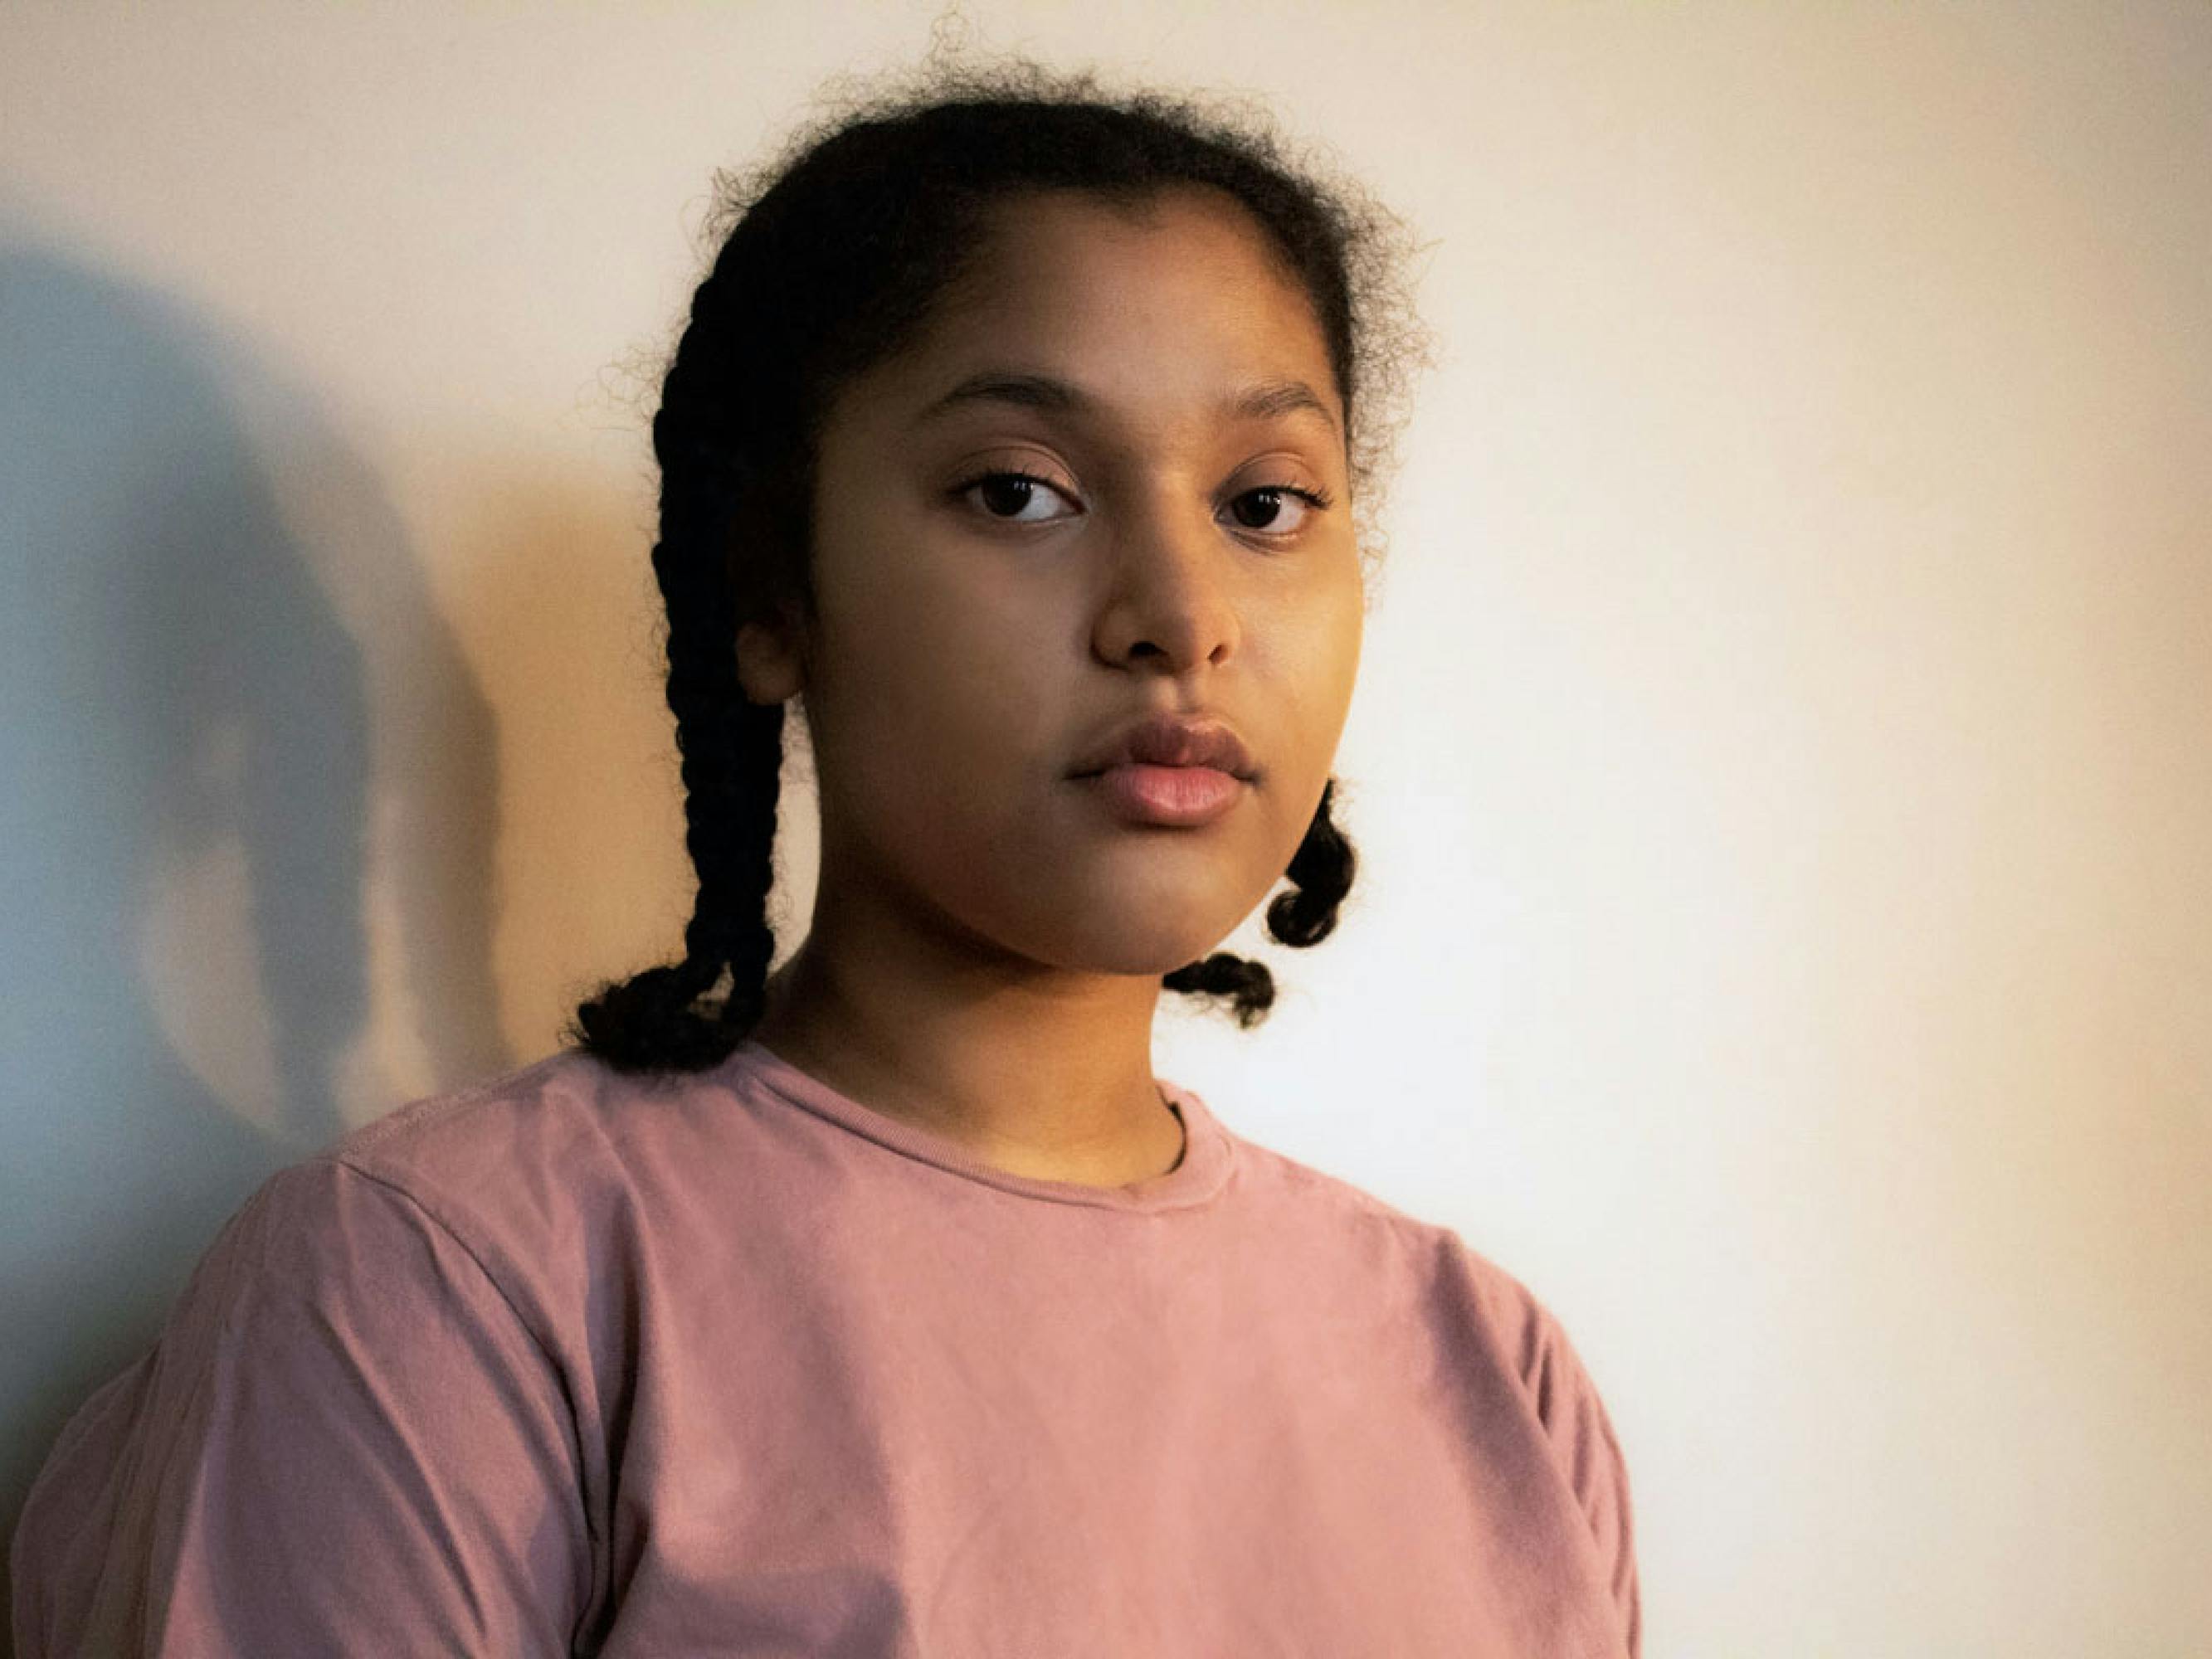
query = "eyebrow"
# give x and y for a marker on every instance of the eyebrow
(1050, 392)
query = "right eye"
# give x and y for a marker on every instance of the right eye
(1010, 497)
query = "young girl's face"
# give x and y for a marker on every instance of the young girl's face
(978, 635)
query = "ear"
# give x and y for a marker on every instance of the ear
(769, 666)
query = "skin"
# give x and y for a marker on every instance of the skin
(987, 939)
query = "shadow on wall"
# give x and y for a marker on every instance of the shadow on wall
(205, 597)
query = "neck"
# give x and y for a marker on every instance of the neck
(1048, 1075)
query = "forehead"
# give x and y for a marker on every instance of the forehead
(1157, 303)
(1189, 236)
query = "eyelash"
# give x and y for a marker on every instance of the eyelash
(1319, 500)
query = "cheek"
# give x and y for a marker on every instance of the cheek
(1316, 645)
(946, 695)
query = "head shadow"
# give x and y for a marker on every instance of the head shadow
(208, 594)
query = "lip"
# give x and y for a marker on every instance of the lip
(1166, 739)
(1176, 797)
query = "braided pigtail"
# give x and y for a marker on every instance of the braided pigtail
(665, 1017)
(1320, 874)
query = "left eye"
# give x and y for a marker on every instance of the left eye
(1262, 508)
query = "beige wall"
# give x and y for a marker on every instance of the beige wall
(1781, 759)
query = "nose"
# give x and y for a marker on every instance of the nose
(1170, 595)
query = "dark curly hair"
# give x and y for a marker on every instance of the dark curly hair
(830, 257)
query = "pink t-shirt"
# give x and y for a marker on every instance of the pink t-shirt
(572, 1363)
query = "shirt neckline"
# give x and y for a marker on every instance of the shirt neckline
(1208, 1149)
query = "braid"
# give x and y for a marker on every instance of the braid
(732, 748)
(1321, 871)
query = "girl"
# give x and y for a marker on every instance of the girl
(890, 1304)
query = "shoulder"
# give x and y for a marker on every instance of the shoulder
(1458, 1286)
(1500, 1325)
(513, 1165)
(1487, 1327)
(447, 1230)
(544, 1109)
(335, 1337)
(462, 1205)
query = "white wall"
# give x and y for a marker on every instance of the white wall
(1781, 760)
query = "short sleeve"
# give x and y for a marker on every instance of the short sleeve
(1582, 1439)
(345, 1442)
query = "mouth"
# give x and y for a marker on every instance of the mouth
(1178, 740)
(1173, 797)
